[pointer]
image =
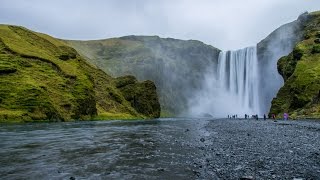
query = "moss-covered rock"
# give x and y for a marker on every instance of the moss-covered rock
(315, 49)
(287, 64)
(67, 53)
(142, 95)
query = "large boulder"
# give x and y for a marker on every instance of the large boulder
(142, 95)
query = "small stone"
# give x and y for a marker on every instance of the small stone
(196, 173)
(202, 140)
(238, 168)
(246, 178)
(160, 169)
(186, 130)
(72, 178)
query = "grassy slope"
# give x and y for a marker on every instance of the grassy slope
(300, 95)
(176, 66)
(43, 78)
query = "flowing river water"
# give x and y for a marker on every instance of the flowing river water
(161, 149)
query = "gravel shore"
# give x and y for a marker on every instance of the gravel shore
(250, 149)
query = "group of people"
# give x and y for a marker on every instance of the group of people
(255, 116)
(246, 116)
(285, 116)
(232, 116)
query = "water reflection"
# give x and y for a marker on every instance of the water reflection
(112, 149)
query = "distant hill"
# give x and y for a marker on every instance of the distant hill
(43, 78)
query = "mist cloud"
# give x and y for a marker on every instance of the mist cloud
(231, 24)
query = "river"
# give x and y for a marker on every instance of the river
(180, 148)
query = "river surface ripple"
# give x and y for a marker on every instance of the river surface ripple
(180, 148)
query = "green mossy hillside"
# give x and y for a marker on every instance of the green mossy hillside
(43, 78)
(300, 95)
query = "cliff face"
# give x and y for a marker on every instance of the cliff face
(276, 45)
(301, 71)
(177, 67)
(42, 78)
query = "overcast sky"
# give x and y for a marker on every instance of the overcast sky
(225, 24)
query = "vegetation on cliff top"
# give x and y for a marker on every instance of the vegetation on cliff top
(300, 95)
(43, 78)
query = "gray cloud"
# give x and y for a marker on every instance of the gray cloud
(226, 24)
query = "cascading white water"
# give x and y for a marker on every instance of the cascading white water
(238, 77)
(232, 87)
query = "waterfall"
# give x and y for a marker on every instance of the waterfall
(238, 77)
(232, 87)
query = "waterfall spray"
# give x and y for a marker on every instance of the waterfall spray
(232, 88)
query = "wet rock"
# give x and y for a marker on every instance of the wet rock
(246, 178)
(202, 140)
(160, 169)
(72, 178)
(238, 168)
(186, 130)
(197, 173)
